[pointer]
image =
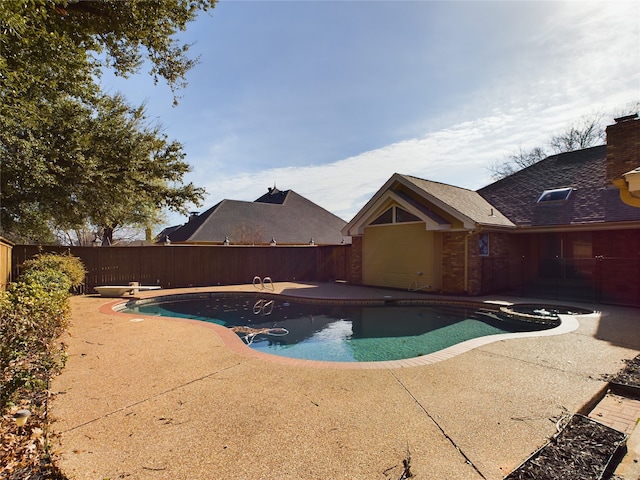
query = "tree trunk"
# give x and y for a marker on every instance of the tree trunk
(107, 237)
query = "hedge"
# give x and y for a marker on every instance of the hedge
(34, 312)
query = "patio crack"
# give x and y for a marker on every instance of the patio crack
(144, 400)
(453, 443)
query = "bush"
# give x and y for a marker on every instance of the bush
(71, 267)
(34, 312)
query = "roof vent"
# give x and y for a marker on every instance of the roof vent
(555, 195)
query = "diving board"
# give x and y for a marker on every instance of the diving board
(120, 290)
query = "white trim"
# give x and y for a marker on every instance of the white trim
(379, 207)
(364, 216)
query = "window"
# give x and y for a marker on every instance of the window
(483, 244)
(395, 215)
(403, 216)
(386, 217)
(556, 195)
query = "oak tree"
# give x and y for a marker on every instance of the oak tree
(587, 132)
(56, 167)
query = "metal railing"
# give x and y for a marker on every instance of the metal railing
(263, 283)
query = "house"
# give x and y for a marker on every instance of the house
(277, 217)
(569, 223)
(413, 234)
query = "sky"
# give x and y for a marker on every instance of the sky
(331, 98)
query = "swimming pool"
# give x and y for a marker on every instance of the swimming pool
(345, 332)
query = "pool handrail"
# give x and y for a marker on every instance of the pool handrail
(261, 283)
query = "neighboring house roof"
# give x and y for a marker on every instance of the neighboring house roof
(440, 206)
(591, 200)
(284, 216)
(166, 232)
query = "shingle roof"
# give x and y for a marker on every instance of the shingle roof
(431, 201)
(591, 201)
(166, 232)
(463, 201)
(283, 215)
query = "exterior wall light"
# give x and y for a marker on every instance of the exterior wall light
(272, 242)
(226, 241)
(311, 242)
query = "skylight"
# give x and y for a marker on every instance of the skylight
(555, 195)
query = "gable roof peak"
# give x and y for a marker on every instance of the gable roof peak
(467, 207)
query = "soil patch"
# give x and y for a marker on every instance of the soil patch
(583, 449)
(628, 379)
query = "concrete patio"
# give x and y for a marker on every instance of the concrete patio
(157, 398)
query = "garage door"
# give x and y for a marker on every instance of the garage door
(393, 256)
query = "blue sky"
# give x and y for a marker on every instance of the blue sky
(330, 98)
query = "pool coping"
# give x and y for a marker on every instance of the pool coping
(234, 343)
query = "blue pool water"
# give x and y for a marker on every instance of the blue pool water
(341, 333)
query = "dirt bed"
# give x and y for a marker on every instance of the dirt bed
(630, 375)
(584, 448)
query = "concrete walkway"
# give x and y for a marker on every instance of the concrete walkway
(157, 398)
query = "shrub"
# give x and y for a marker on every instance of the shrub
(34, 312)
(72, 267)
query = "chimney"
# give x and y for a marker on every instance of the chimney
(623, 147)
(193, 215)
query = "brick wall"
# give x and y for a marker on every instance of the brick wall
(623, 147)
(453, 262)
(501, 244)
(502, 269)
(356, 260)
(475, 265)
(617, 243)
(484, 274)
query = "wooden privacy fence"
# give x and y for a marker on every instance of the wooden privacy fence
(5, 262)
(197, 266)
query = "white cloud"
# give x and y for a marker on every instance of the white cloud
(579, 58)
(459, 155)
